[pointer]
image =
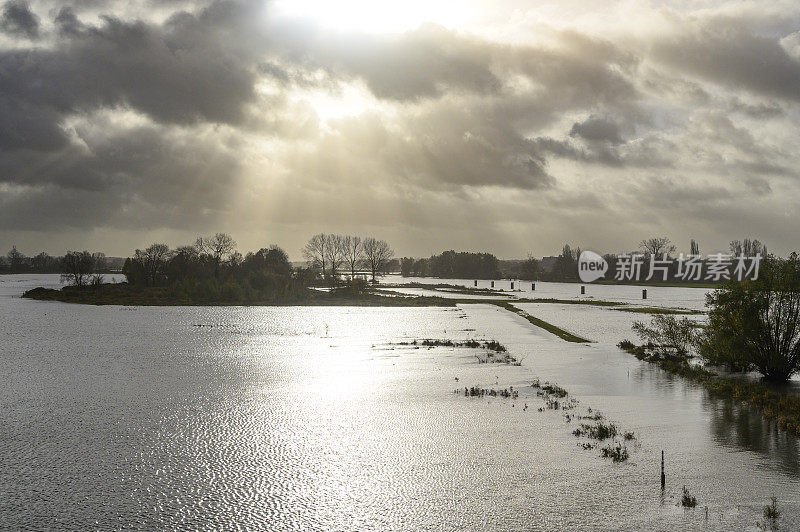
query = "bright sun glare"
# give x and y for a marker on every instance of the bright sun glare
(375, 16)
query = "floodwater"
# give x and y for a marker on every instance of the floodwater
(314, 418)
(657, 296)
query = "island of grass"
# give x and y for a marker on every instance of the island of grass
(134, 295)
(450, 288)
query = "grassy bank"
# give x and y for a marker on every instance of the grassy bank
(124, 294)
(659, 310)
(451, 288)
(782, 408)
(561, 333)
(592, 302)
(657, 284)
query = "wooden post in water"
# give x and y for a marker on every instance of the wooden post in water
(476, 283)
(663, 476)
(583, 289)
(644, 293)
(492, 284)
(533, 287)
(512, 285)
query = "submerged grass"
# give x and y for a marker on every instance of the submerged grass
(688, 500)
(561, 333)
(618, 452)
(496, 352)
(599, 431)
(477, 391)
(784, 409)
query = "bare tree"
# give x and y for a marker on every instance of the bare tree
(377, 253)
(100, 261)
(152, 261)
(219, 246)
(335, 252)
(694, 248)
(354, 251)
(657, 246)
(747, 248)
(314, 251)
(15, 259)
(77, 267)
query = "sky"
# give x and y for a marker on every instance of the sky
(506, 126)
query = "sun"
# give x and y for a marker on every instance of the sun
(375, 16)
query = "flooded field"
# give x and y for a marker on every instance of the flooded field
(318, 418)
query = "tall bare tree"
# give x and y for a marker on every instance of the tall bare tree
(694, 248)
(377, 253)
(315, 251)
(354, 253)
(748, 248)
(335, 253)
(657, 246)
(219, 247)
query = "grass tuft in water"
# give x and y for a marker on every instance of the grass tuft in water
(599, 431)
(771, 511)
(688, 500)
(618, 453)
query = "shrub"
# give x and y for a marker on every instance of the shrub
(668, 332)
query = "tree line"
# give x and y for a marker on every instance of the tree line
(16, 262)
(564, 266)
(452, 264)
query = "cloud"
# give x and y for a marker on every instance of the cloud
(17, 19)
(727, 52)
(596, 129)
(174, 116)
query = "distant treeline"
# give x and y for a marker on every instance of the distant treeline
(452, 264)
(660, 252)
(16, 262)
(564, 266)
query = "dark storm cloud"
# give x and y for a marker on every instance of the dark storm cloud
(17, 19)
(67, 22)
(175, 73)
(725, 51)
(146, 175)
(596, 129)
(157, 120)
(589, 153)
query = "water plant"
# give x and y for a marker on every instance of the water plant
(618, 452)
(599, 431)
(476, 391)
(771, 511)
(688, 500)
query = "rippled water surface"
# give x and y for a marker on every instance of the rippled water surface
(316, 419)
